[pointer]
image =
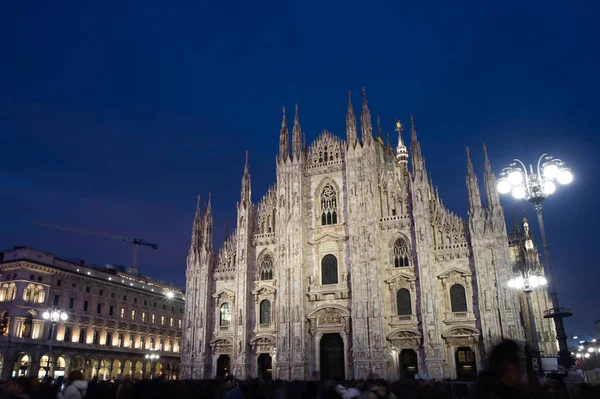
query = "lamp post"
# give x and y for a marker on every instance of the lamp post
(527, 281)
(535, 187)
(152, 357)
(54, 316)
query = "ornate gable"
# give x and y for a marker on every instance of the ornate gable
(401, 280)
(224, 295)
(326, 150)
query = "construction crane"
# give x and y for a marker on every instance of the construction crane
(135, 241)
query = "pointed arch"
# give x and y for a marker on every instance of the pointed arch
(266, 266)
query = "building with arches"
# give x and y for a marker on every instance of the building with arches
(115, 318)
(350, 265)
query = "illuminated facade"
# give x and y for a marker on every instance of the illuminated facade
(114, 319)
(350, 265)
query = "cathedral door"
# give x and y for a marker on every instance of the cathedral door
(265, 366)
(409, 366)
(466, 365)
(332, 357)
(223, 366)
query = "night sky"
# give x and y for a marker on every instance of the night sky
(114, 117)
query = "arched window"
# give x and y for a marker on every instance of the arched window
(4, 326)
(403, 302)
(68, 334)
(329, 271)
(27, 326)
(4, 293)
(265, 270)
(12, 292)
(328, 206)
(39, 294)
(401, 253)
(458, 298)
(225, 316)
(28, 293)
(265, 312)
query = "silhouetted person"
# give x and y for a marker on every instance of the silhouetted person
(504, 376)
(76, 386)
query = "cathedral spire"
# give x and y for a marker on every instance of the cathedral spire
(246, 191)
(379, 130)
(365, 120)
(493, 198)
(472, 187)
(297, 137)
(226, 228)
(401, 154)
(418, 163)
(351, 123)
(197, 229)
(284, 145)
(208, 226)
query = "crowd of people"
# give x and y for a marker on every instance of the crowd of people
(505, 378)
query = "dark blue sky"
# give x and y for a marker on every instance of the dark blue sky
(113, 117)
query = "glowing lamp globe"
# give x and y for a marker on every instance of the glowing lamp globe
(63, 316)
(578, 355)
(533, 281)
(587, 355)
(542, 280)
(518, 192)
(551, 170)
(565, 176)
(515, 177)
(504, 186)
(46, 315)
(549, 188)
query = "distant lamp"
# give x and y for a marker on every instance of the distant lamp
(170, 294)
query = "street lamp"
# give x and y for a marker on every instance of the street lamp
(54, 316)
(152, 357)
(527, 281)
(535, 188)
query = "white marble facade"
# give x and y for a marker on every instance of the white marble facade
(350, 265)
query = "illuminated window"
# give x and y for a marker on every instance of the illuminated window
(153, 319)
(122, 313)
(225, 316)
(144, 317)
(179, 323)
(133, 315)
(171, 322)
(162, 320)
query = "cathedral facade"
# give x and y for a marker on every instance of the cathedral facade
(350, 265)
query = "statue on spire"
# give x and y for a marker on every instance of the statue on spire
(401, 153)
(472, 187)
(297, 137)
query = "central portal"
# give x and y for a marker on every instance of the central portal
(332, 357)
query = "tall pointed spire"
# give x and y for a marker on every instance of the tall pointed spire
(197, 229)
(415, 148)
(246, 191)
(226, 228)
(208, 226)
(284, 144)
(297, 137)
(472, 187)
(351, 135)
(365, 120)
(493, 197)
(379, 130)
(401, 153)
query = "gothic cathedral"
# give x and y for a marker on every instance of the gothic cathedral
(350, 265)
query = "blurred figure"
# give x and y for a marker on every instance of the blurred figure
(352, 391)
(504, 376)
(76, 386)
(377, 389)
(125, 390)
(17, 388)
(232, 390)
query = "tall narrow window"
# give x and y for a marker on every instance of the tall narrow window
(265, 312)
(458, 298)
(403, 302)
(401, 253)
(82, 335)
(120, 340)
(108, 340)
(329, 270)
(96, 337)
(27, 326)
(265, 271)
(68, 334)
(328, 205)
(225, 316)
